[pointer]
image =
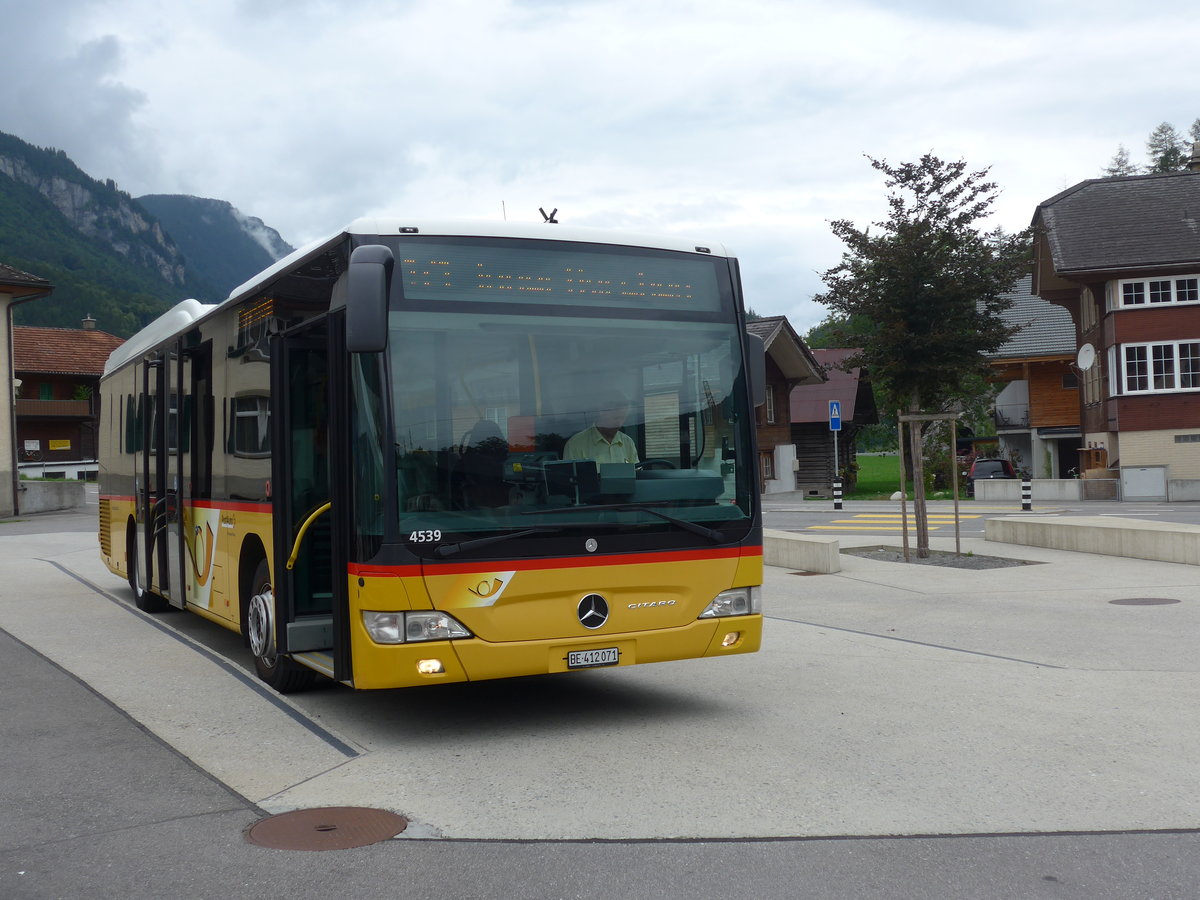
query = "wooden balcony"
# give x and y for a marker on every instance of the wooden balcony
(76, 409)
(1011, 416)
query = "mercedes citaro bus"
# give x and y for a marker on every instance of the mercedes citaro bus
(359, 459)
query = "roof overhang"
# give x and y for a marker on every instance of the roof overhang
(19, 289)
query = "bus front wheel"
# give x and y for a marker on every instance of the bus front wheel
(275, 669)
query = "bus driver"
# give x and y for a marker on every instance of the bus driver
(604, 441)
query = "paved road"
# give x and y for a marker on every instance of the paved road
(905, 732)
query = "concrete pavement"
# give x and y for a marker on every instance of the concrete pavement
(938, 701)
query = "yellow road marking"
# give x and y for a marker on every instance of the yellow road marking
(943, 517)
(861, 528)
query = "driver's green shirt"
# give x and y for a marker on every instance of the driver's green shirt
(590, 444)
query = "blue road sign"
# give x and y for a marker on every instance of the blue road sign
(835, 416)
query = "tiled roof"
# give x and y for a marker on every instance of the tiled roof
(1143, 221)
(810, 402)
(62, 351)
(1046, 329)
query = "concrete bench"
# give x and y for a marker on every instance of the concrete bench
(807, 552)
(1162, 541)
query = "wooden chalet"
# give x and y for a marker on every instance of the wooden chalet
(1122, 256)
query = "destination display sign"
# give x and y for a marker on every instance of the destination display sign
(558, 274)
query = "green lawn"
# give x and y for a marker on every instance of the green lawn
(879, 478)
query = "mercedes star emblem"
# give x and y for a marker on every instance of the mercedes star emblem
(593, 611)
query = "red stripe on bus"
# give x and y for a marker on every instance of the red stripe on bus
(564, 562)
(233, 505)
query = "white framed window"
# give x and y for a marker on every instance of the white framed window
(766, 462)
(250, 426)
(770, 404)
(1150, 368)
(1147, 292)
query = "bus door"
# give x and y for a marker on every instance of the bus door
(160, 524)
(308, 433)
(200, 525)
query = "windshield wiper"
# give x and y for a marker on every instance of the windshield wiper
(453, 549)
(717, 537)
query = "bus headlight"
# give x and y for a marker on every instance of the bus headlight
(742, 601)
(410, 627)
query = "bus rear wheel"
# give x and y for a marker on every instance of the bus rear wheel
(281, 673)
(143, 598)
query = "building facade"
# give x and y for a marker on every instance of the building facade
(812, 435)
(16, 287)
(789, 363)
(1037, 411)
(1122, 256)
(57, 374)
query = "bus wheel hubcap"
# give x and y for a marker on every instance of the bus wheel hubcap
(260, 625)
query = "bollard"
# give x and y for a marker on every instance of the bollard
(1026, 495)
(837, 493)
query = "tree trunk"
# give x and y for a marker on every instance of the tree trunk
(917, 455)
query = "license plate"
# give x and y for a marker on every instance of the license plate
(587, 659)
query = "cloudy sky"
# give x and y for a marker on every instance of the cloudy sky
(742, 122)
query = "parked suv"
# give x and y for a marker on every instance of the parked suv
(987, 468)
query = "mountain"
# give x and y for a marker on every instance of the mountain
(109, 255)
(103, 253)
(223, 246)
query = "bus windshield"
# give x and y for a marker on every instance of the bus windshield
(515, 417)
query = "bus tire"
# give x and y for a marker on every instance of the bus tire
(143, 598)
(277, 670)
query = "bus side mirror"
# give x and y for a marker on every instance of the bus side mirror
(756, 369)
(367, 288)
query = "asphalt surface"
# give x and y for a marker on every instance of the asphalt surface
(1048, 734)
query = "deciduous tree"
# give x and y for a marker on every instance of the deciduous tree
(931, 283)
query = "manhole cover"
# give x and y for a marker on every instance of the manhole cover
(328, 828)
(1143, 601)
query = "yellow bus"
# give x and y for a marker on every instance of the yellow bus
(390, 458)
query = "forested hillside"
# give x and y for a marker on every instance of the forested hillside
(223, 247)
(107, 254)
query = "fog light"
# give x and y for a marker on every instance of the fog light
(430, 667)
(732, 638)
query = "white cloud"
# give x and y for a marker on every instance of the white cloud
(741, 122)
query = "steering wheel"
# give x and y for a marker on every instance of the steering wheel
(656, 463)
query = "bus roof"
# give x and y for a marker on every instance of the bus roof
(185, 314)
(473, 228)
(179, 317)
